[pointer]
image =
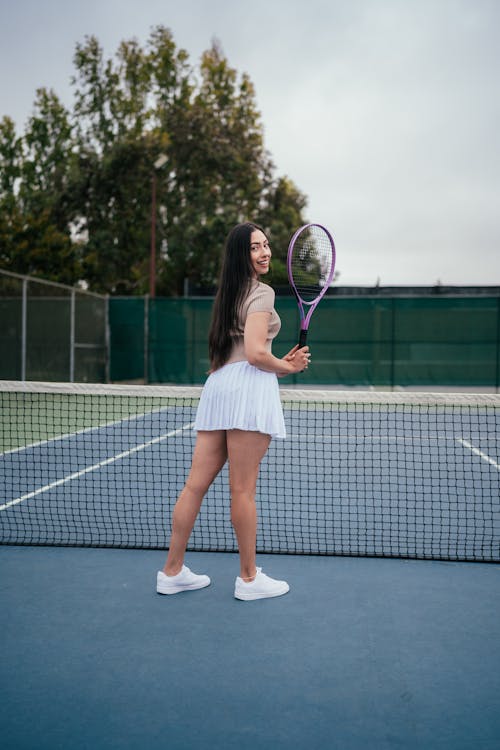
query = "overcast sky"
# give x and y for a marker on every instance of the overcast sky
(385, 113)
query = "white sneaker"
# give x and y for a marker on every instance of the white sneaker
(183, 581)
(262, 587)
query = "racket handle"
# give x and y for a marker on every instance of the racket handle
(302, 337)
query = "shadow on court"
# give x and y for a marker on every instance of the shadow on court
(361, 654)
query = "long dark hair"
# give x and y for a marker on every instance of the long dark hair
(234, 284)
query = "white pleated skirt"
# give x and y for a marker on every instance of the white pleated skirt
(239, 396)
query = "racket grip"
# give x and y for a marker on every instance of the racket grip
(302, 337)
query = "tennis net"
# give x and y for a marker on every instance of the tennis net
(410, 475)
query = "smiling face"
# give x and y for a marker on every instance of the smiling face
(260, 253)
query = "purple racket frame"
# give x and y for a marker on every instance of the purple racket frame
(305, 318)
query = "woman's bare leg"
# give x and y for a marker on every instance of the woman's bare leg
(245, 452)
(209, 456)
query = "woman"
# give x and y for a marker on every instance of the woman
(238, 413)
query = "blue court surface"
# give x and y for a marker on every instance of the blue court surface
(363, 653)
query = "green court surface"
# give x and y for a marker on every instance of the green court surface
(33, 417)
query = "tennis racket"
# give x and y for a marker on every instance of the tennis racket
(310, 265)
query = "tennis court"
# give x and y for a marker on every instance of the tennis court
(377, 504)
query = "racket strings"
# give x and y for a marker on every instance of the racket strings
(311, 263)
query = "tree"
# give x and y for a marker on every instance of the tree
(10, 160)
(109, 187)
(10, 165)
(282, 215)
(218, 170)
(35, 226)
(48, 151)
(78, 184)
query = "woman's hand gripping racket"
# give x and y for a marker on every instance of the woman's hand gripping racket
(310, 265)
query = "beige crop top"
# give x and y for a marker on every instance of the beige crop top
(260, 299)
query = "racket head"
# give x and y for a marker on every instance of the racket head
(311, 262)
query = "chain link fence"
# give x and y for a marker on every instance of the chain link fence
(52, 332)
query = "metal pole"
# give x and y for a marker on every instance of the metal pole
(72, 338)
(497, 368)
(146, 339)
(24, 326)
(152, 257)
(107, 345)
(393, 343)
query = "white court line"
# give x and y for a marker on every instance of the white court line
(479, 453)
(82, 431)
(356, 437)
(99, 465)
